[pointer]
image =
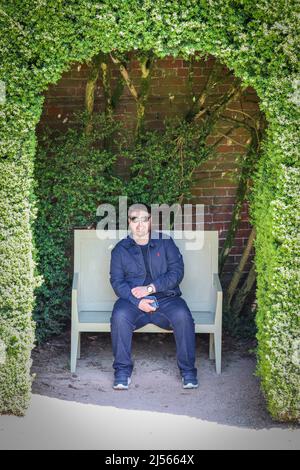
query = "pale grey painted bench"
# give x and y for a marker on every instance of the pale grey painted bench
(93, 297)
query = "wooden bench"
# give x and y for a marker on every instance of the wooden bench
(93, 297)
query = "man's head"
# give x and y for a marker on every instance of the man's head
(139, 220)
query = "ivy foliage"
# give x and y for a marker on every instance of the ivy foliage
(73, 175)
(162, 164)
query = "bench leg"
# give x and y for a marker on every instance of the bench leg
(211, 346)
(74, 349)
(218, 351)
(78, 347)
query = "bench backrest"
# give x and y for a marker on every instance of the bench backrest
(92, 262)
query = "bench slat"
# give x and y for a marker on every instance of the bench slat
(201, 318)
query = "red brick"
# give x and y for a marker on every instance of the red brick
(225, 148)
(183, 72)
(244, 224)
(224, 183)
(243, 233)
(222, 227)
(231, 192)
(205, 200)
(223, 200)
(54, 110)
(198, 174)
(237, 250)
(222, 217)
(167, 63)
(216, 209)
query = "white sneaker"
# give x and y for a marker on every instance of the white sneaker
(190, 383)
(121, 385)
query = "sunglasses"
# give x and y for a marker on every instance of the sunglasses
(135, 220)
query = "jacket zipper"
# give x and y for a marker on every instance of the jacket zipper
(149, 259)
(145, 272)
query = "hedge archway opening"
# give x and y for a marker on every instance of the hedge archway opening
(200, 111)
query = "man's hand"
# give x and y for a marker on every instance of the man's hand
(139, 291)
(146, 305)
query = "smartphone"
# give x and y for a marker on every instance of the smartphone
(155, 302)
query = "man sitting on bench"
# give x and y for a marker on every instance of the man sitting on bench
(142, 265)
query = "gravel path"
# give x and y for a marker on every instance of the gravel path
(233, 398)
(82, 411)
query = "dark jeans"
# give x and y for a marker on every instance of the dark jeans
(173, 313)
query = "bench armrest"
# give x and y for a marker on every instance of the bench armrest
(216, 282)
(218, 299)
(75, 297)
(75, 281)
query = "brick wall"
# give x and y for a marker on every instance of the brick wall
(170, 95)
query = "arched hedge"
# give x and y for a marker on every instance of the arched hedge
(258, 41)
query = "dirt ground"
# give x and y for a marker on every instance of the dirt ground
(233, 398)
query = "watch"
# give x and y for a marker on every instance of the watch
(150, 289)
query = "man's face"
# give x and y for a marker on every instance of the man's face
(139, 223)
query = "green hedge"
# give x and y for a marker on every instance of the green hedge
(278, 267)
(16, 282)
(258, 42)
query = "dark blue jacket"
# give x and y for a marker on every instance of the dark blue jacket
(127, 267)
